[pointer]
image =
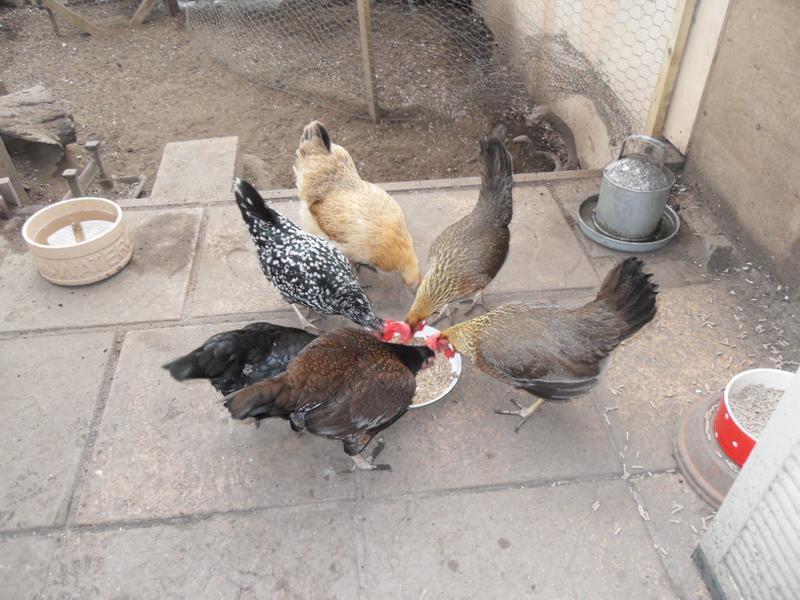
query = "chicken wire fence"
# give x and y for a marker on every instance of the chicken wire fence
(450, 58)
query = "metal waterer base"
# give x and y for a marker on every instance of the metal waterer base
(667, 229)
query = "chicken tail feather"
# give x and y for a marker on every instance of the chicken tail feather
(268, 398)
(316, 130)
(496, 167)
(630, 293)
(186, 367)
(252, 204)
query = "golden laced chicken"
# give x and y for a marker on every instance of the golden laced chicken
(358, 216)
(346, 385)
(551, 352)
(466, 256)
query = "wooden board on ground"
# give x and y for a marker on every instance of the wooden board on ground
(71, 17)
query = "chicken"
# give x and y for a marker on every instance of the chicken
(360, 217)
(306, 270)
(345, 385)
(466, 256)
(235, 359)
(551, 352)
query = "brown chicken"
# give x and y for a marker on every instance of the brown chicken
(360, 217)
(466, 256)
(551, 352)
(345, 385)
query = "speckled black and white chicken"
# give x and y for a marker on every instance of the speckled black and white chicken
(305, 269)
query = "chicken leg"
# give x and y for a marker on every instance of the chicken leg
(524, 413)
(477, 300)
(368, 463)
(304, 323)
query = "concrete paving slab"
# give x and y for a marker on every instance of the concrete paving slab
(529, 543)
(544, 253)
(166, 448)
(23, 566)
(674, 509)
(281, 555)
(50, 388)
(459, 442)
(197, 171)
(151, 287)
(665, 368)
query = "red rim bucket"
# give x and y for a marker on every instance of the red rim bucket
(732, 437)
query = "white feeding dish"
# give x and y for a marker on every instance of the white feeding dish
(78, 241)
(454, 364)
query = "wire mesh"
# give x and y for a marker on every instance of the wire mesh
(451, 58)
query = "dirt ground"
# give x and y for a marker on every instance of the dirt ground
(136, 89)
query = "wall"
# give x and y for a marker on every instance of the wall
(745, 147)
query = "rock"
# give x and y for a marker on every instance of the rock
(257, 172)
(717, 251)
(32, 115)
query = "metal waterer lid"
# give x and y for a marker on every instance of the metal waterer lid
(640, 172)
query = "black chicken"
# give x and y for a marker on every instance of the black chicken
(346, 385)
(235, 359)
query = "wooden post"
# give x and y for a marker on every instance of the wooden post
(7, 169)
(172, 7)
(669, 70)
(72, 17)
(365, 33)
(71, 175)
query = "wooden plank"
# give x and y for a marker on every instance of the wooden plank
(141, 13)
(669, 70)
(690, 82)
(72, 17)
(7, 169)
(365, 33)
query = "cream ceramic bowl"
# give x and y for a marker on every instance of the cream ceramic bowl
(78, 241)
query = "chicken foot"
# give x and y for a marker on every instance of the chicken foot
(368, 463)
(304, 322)
(358, 266)
(477, 300)
(524, 413)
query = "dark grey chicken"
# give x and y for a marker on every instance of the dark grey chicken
(552, 352)
(232, 360)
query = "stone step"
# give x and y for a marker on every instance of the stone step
(197, 171)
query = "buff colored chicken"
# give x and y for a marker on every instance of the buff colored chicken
(360, 217)
(551, 352)
(466, 256)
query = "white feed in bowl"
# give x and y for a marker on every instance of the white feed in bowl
(431, 382)
(753, 405)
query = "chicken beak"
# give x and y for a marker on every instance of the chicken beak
(432, 342)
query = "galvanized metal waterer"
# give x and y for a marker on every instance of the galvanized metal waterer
(634, 191)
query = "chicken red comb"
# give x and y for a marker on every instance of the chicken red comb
(390, 328)
(437, 344)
